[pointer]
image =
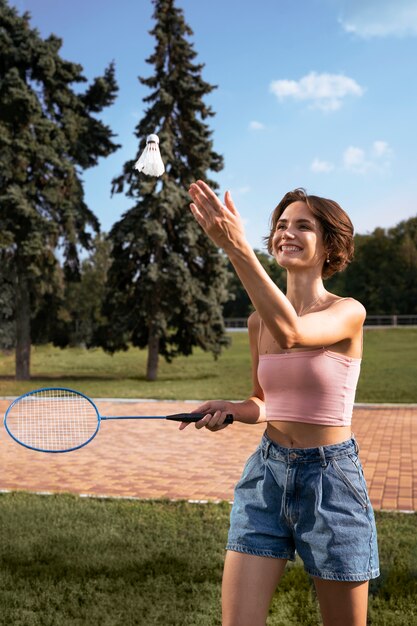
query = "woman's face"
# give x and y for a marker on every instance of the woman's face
(298, 239)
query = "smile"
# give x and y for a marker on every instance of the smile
(285, 248)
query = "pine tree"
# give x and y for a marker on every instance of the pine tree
(167, 281)
(7, 324)
(48, 135)
(78, 315)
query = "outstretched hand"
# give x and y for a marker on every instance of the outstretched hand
(221, 222)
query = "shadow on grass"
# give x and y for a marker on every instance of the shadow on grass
(39, 378)
(397, 581)
(48, 568)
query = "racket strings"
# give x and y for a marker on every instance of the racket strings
(53, 420)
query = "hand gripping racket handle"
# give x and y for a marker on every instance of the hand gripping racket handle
(195, 417)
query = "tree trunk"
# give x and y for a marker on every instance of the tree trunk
(23, 339)
(153, 356)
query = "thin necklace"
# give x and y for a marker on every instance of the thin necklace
(307, 308)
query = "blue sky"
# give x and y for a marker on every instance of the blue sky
(318, 94)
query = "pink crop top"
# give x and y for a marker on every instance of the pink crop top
(310, 386)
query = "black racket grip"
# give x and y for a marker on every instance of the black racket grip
(195, 417)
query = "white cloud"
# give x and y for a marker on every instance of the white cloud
(355, 161)
(381, 149)
(380, 18)
(254, 125)
(321, 167)
(323, 91)
(377, 159)
(358, 161)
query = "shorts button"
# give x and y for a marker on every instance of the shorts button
(293, 456)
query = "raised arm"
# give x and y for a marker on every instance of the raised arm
(222, 223)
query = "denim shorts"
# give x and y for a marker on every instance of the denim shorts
(312, 501)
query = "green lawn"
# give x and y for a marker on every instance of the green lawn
(123, 375)
(68, 560)
(388, 372)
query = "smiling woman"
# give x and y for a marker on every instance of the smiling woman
(303, 489)
(336, 226)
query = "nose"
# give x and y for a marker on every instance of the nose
(287, 234)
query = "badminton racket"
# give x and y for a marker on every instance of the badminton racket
(57, 419)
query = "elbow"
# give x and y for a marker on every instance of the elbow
(289, 340)
(286, 335)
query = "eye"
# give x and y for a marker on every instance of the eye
(280, 226)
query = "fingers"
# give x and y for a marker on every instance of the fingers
(204, 197)
(197, 214)
(207, 200)
(213, 420)
(201, 205)
(229, 203)
(206, 190)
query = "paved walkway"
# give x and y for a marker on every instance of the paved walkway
(151, 459)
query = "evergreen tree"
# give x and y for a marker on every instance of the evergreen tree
(48, 135)
(167, 281)
(7, 324)
(79, 314)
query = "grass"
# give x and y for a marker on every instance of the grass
(68, 560)
(388, 371)
(389, 366)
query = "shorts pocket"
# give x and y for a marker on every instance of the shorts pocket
(250, 465)
(350, 473)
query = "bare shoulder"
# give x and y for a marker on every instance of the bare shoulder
(253, 330)
(350, 307)
(253, 322)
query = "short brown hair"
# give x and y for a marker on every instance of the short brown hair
(335, 222)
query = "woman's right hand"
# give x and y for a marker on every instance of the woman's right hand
(215, 414)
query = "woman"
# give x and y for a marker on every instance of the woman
(303, 489)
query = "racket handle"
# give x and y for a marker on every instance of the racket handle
(195, 417)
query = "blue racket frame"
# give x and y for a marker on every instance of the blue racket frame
(35, 392)
(188, 417)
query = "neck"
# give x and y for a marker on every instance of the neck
(303, 290)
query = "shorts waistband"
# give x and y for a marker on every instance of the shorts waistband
(322, 454)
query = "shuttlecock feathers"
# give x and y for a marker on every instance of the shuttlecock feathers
(150, 161)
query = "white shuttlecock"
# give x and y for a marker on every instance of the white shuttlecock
(150, 162)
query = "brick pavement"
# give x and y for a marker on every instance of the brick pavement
(151, 459)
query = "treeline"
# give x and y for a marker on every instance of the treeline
(383, 276)
(155, 281)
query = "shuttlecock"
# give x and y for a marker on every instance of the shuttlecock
(150, 162)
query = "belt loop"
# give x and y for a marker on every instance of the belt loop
(322, 457)
(355, 443)
(266, 450)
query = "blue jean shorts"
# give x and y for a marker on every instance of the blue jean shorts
(312, 501)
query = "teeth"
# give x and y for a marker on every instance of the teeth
(290, 248)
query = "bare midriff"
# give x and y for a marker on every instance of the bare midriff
(300, 435)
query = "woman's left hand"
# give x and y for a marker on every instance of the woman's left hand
(221, 222)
